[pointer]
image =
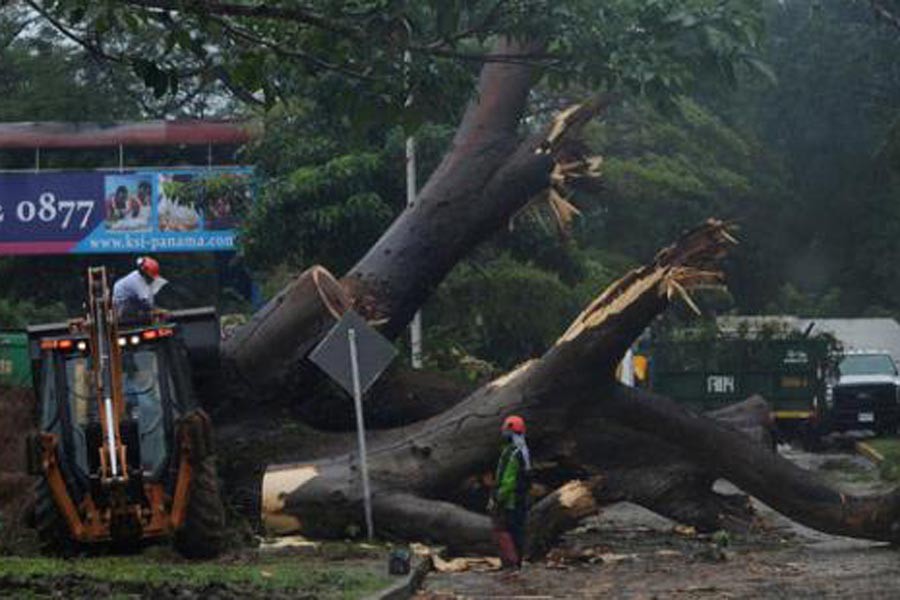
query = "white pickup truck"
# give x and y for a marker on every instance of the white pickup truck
(867, 393)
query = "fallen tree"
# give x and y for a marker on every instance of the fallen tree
(490, 172)
(636, 446)
(614, 444)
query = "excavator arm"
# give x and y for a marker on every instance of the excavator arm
(106, 375)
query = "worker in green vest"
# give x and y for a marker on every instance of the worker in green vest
(509, 500)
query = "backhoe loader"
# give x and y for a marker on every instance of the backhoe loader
(123, 452)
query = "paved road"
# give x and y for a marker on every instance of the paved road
(629, 552)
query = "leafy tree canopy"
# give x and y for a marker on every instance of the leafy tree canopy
(263, 51)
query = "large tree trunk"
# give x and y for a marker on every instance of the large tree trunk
(489, 173)
(577, 414)
(287, 327)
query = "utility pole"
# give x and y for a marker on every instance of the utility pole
(415, 327)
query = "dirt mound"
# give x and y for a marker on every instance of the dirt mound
(15, 490)
(17, 410)
(16, 421)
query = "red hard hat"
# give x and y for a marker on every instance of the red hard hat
(148, 266)
(514, 423)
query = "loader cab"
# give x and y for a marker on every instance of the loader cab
(157, 392)
(150, 402)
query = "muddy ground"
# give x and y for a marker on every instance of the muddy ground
(629, 552)
(16, 420)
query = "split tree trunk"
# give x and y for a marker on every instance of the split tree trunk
(489, 173)
(569, 396)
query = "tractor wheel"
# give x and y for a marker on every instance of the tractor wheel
(52, 529)
(203, 531)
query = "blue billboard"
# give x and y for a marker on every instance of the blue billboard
(134, 211)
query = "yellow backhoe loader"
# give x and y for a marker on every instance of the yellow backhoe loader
(123, 452)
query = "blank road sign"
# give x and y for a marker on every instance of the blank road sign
(374, 352)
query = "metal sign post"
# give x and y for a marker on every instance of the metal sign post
(361, 433)
(354, 355)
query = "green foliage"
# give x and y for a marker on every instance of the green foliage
(44, 75)
(330, 192)
(803, 156)
(827, 119)
(721, 538)
(665, 172)
(263, 52)
(16, 314)
(40, 80)
(503, 311)
(889, 448)
(319, 214)
(792, 301)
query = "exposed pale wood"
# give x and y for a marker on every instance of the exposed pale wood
(287, 327)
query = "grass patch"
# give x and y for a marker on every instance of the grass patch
(889, 448)
(347, 580)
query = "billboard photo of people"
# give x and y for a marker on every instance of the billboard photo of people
(128, 203)
(226, 201)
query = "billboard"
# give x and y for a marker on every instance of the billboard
(133, 211)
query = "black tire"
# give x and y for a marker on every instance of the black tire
(203, 531)
(53, 531)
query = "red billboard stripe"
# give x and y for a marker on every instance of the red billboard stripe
(36, 247)
(139, 133)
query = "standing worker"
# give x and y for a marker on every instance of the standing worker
(509, 501)
(133, 294)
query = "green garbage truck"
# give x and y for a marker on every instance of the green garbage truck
(15, 364)
(791, 374)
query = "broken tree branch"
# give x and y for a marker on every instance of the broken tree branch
(486, 176)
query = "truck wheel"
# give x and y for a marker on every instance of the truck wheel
(202, 534)
(52, 529)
